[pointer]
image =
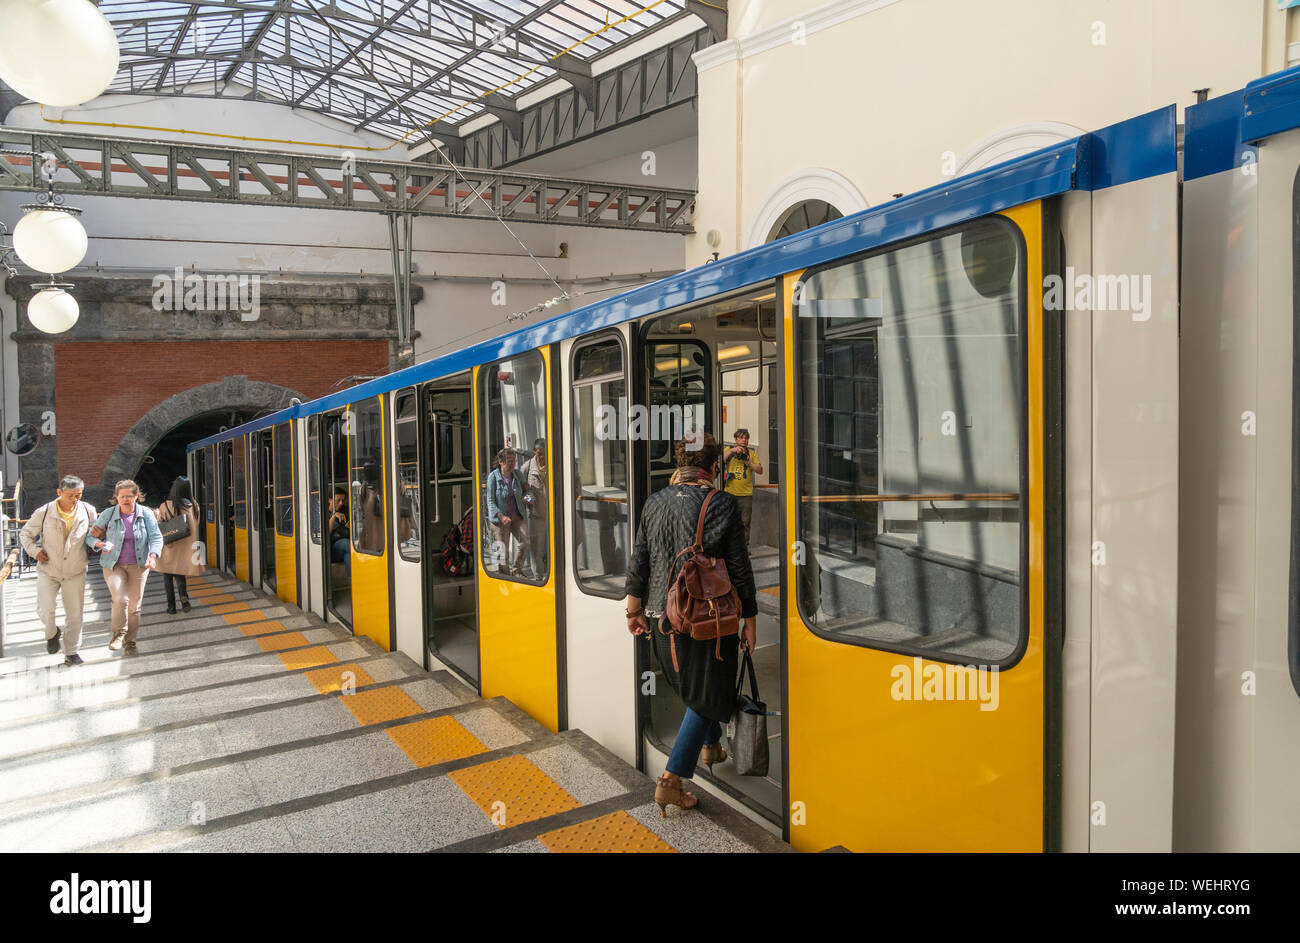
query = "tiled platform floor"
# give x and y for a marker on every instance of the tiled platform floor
(248, 725)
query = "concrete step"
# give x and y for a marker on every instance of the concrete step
(246, 782)
(89, 763)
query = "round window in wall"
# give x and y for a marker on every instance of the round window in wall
(803, 216)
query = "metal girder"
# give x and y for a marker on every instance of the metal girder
(640, 87)
(714, 13)
(451, 67)
(160, 170)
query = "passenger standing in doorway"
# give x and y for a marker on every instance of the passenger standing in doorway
(705, 682)
(539, 510)
(129, 550)
(742, 464)
(61, 526)
(180, 558)
(505, 504)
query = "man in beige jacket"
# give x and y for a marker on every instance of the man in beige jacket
(61, 526)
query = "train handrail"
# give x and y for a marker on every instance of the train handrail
(874, 498)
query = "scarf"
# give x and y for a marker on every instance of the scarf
(690, 474)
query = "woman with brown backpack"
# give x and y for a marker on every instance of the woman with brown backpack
(691, 525)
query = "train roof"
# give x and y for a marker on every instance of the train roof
(1134, 149)
(1222, 133)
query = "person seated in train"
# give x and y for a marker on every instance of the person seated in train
(505, 504)
(340, 535)
(534, 474)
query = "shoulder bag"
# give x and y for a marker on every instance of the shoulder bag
(175, 528)
(702, 603)
(749, 739)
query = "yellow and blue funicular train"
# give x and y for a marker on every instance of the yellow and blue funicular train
(965, 532)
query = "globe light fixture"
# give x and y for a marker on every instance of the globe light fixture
(52, 309)
(56, 52)
(50, 240)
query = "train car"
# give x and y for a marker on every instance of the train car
(1239, 632)
(983, 592)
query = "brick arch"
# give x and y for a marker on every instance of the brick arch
(230, 393)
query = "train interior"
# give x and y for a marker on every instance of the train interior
(718, 363)
(446, 509)
(228, 486)
(264, 504)
(338, 550)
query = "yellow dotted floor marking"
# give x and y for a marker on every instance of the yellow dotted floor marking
(512, 791)
(212, 599)
(381, 704)
(616, 832)
(435, 740)
(230, 607)
(281, 642)
(308, 657)
(331, 679)
(238, 618)
(772, 590)
(262, 628)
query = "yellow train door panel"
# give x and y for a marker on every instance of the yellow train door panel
(363, 426)
(517, 589)
(915, 516)
(239, 468)
(286, 552)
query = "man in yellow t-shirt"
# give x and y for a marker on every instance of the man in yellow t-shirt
(741, 465)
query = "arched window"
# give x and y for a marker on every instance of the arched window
(801, 216)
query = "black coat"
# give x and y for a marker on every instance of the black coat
(668, 522)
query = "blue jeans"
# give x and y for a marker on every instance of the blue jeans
(340, 552)
(694, 733)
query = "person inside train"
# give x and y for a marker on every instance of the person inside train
(701, 672)
(534, 474)
(371, 507)
(340, 535)
(505, 507)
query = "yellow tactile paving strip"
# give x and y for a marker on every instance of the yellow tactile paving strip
(617, 832)
(230, 607)
(772, 590)
(280, 642)
(436, 740)
(211, 599)
(308, 657)
(379, 705)
(238, 618)
(262, 628)
(512, 791)
(331, 679)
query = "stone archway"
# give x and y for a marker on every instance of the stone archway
(237, 393)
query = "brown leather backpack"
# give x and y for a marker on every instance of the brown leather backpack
(701, 601)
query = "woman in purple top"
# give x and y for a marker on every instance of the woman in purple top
(129, 542)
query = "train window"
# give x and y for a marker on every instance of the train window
(238, 471)
(600, 514)
(408, 476)
(364, 425)
(283, 446)
(516, 539)
(910, 443)
(209, 492)
(313, 477)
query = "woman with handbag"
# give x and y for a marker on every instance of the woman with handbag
(179, 557)
(701, 671)
(129, 542)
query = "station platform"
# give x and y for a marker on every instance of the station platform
(247, 725)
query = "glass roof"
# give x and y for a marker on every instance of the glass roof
(389, 66)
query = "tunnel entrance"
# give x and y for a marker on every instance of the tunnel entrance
(166, 460)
